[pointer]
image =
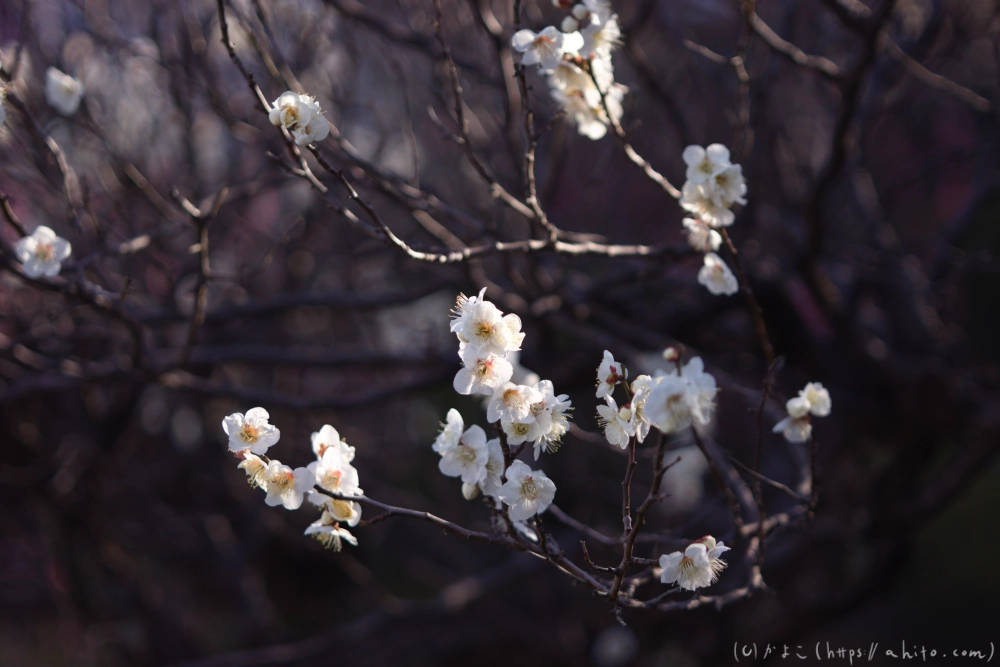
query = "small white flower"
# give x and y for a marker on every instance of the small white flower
(675, 401)
(468, 458)
(616, 422)
(600, 36)
(285, 486)
(717, 277)
(798, 407)
(700, 236)
(580, 98)
(545, 48)
(641, 387)
(300, 115)
(730, 186)
(451, 433)
(42, 252)
(551, 415)
(485, 330)
(794, 430)
(329, 533)
(699, 566)
(609, 373)
(513, 402)
(250, 431)
(701, 200)
(483, 375)
(704, 164)
(335, 474)
(328, 437)
(464, 305)
(818, 397)
(518, 432)
(255, 469)
(62, 92)
(527, 492)
(491, 481)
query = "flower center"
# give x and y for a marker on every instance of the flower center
(331, 479)
(520, 429)
(249, 433)
(485, 329)
(528, 489)
(466, 454)
(44, 252)
(484, 368)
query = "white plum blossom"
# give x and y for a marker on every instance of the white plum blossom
(518, 432)
(491, 482)
(609, 373)
(62, 91)
(550, 414)
(483, 375)
(285, 486)
(334, 473)
(327, 530)
(616, 422)
(703, 164)
(467, 459)
(701, 200)
(641, 387)
(701, 236)
(301, 116)
(580, 97)
(730, 186)
(527, 492)
(464, 305)
(250, 431)
(676, 400)
(814, 400)
(600, 35)
(717, 277)
(42, 252)
(486, 330)
(255, 469)
(545, 48)
(451, 432)
(328, 437)
(698, 567)
(513, 402)
(818, 397)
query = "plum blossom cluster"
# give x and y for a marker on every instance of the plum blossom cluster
(576, 57)
(813, 401)
(698, 567)
(301, 116)
(526, 413)
(250, 436)
(669, 401)
(713, 186)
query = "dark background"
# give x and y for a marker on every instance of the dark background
(128, 536)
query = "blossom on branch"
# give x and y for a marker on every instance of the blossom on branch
(813, 400)
(616, 422)
(527, 492)
(698, 567)
(545, 48)
(250, 432)
(285, 486)
(329, 533)
(467, 458)
(42, 252)
(678, 400)
(609, 373)
(301, 116)
(716, 276)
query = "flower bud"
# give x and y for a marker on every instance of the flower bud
(670, 354)
(569, 24)
(470, 491)
(580, 12)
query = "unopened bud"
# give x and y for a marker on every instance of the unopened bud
(580, 12)
(470, 491)
(562, 4)
(708, 541)
(569, 24)
(670, 354)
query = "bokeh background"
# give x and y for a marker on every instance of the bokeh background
(128, 536)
